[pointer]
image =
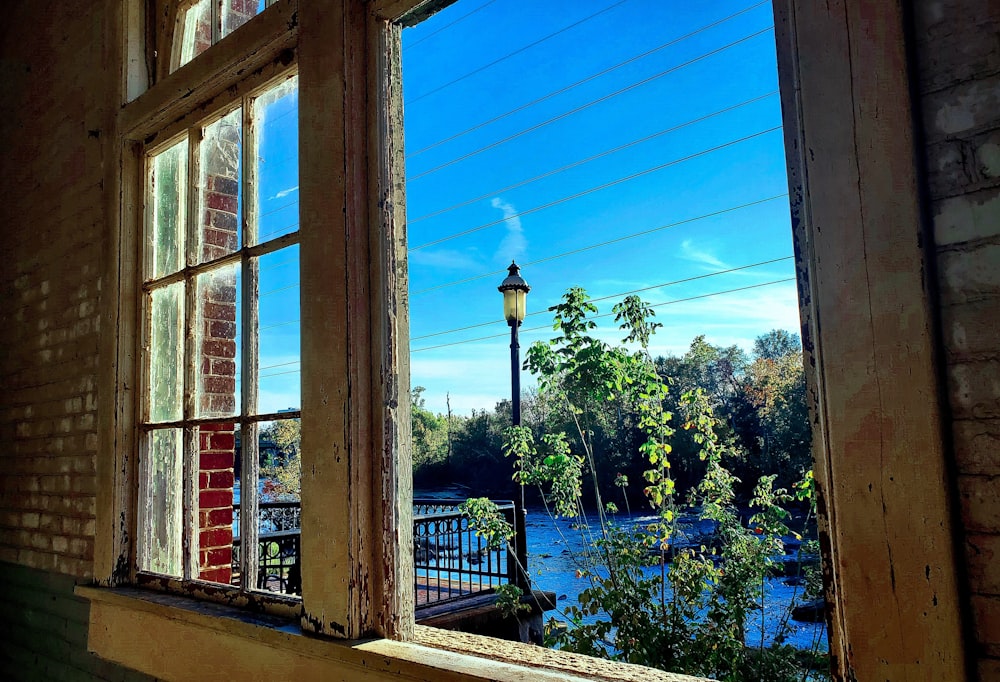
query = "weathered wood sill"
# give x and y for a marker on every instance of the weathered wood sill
(178, 638)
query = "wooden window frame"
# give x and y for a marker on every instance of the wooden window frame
(861, 248)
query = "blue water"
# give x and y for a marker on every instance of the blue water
(555, 545)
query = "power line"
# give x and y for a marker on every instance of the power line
(571, 86)
(516, 52)
(581, 162)
(623, 293)
(586, 105)
(633, 235)
(657, 305)
(448, 25)
(591, 190)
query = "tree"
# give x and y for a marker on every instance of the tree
(691, 618)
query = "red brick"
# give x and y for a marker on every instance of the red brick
(219, 385)
(221, 480)
(224, 441)
(219, 311)
(203, 480)
(223, 185)
(223, 368)
(221, 329)
(219, 349)
(215, 499)
(215, 537)
(220, 557)
(221, 202)
(222, 220)
(218, 517)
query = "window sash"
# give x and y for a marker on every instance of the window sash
(246, 259)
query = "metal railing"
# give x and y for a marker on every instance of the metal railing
(278, 547)
(450, 561)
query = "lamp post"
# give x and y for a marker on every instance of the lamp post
(515, 293)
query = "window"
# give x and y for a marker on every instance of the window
(353, 317)
(221, 342)
(205, 22)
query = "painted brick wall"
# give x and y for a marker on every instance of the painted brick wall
(52, 232)
(958, 58)
(52, 241)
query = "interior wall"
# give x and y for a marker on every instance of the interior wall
(957, 49)
(56, 92)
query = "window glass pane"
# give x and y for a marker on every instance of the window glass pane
(279, 368)
(166, 366)
(235, 13)
(218, 492)
(277, 124)
(161, 506)
(221, 196)
(196, 36)
(218, 347)
(167, 201)
(279, 508)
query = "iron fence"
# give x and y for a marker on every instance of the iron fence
(450, 560)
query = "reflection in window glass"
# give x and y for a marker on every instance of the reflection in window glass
(206, 22)
(166, 376)
(196, 35)
(221, 201)
(168, 189)
(160, 512)
(218, 313)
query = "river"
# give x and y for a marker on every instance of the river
(552, 545)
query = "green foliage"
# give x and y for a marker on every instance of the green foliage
(691, 615)
(284, 474)
(486, 519)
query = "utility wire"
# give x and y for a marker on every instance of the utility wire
(657, 305)
(516, 52)
(586, 105)
(623, 293)
(448, 25)
(573, 252)
(600, 244)
(591, 190)
(571, 86)
(599, 155)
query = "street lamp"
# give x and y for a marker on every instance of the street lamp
(515, 293)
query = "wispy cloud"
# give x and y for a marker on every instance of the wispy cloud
(285, 192)
(514, 244)
(700, 255)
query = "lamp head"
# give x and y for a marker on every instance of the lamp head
(515, 292)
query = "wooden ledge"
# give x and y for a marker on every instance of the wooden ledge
(177, 638)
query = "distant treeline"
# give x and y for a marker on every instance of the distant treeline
(759, 397)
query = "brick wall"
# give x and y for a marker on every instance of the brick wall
(52, 239)
(218, 301)
(958, 62)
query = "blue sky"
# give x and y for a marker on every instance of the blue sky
(536, 129)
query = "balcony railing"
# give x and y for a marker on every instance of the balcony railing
(450, 561)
